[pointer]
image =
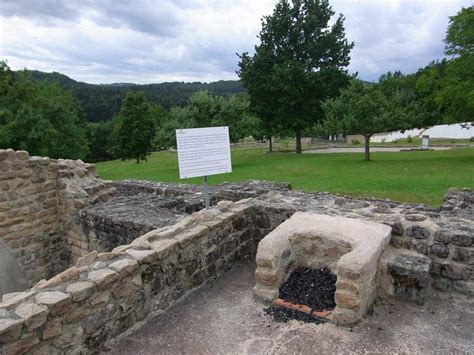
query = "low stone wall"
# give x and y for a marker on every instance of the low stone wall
(445, 235)
(124, 218)
(415, 227)
(39, 200)
(104, 294)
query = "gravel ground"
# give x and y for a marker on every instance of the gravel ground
(361, 150)
(222, 317)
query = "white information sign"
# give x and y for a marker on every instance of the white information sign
(203, 151)
(425, 142)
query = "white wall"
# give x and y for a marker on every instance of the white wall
(453, 131)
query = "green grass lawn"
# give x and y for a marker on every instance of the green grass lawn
(406, 176)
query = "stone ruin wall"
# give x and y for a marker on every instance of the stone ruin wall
(106, 293)
(39, 203)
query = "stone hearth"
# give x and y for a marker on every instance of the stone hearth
(349, 247)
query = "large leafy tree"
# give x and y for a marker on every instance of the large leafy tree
(366, 110)
(135, 128)
(456, 95)
(300, 62)
(40, 117)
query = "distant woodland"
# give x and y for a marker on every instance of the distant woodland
(101, 102)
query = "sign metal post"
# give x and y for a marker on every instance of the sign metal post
(206, 192)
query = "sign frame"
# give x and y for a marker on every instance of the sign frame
(203, 152)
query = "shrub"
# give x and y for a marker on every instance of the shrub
(355, 142)
(471, 139)
(409, 139)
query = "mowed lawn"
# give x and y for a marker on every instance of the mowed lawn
(421, 177)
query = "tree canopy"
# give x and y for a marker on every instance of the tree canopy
(135, 130)
(101, 102)
(300, 61)
(40, 117)
(366, 110)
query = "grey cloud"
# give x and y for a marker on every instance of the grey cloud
(169, 39)
(46, 10)
(156, 18)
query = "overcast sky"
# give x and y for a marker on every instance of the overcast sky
(140, 41)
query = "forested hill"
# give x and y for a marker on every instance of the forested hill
(101, 102)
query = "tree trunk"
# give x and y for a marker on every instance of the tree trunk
(298, 142)
(270, 147)
(138, 160)
(367, 147)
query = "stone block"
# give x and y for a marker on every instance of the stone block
(266, 276)
(465, 287)
(142, 256)
(68, 275)
(100, 299)
(33, 314)
(455, 271)
(345, 317)
(409, 276)
(52, 329)
(10, 329)
(463, 238)
(103, 278)
(57, 302)
(80, 290)
(440, 250)
(417, 231)
(78, 313)
(347, 299)
(463, 255)
(125, 267)
(71, 335)
(23, 346)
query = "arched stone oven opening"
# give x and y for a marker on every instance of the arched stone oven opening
(313, 247)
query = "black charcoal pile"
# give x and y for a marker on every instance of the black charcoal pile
(314, 288)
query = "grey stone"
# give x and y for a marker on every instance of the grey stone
(462, 238)
(71, 335)
(415, 217)
(10, 329)
(455, 271)
(103, 278)
(440, 250)
(99, 318)
(417, 231)
(443, 236)
(409, 274)
(80, 290)
(34, 315)
(125, 267)
(463, 255)
(56, 301)
(464, 287)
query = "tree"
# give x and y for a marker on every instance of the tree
(178, 117)
(255, 74)
(135, 128)
(456, 94)
(363, 109)
(99, 137)
(300, 62)
(460, 34)
(40, 117)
